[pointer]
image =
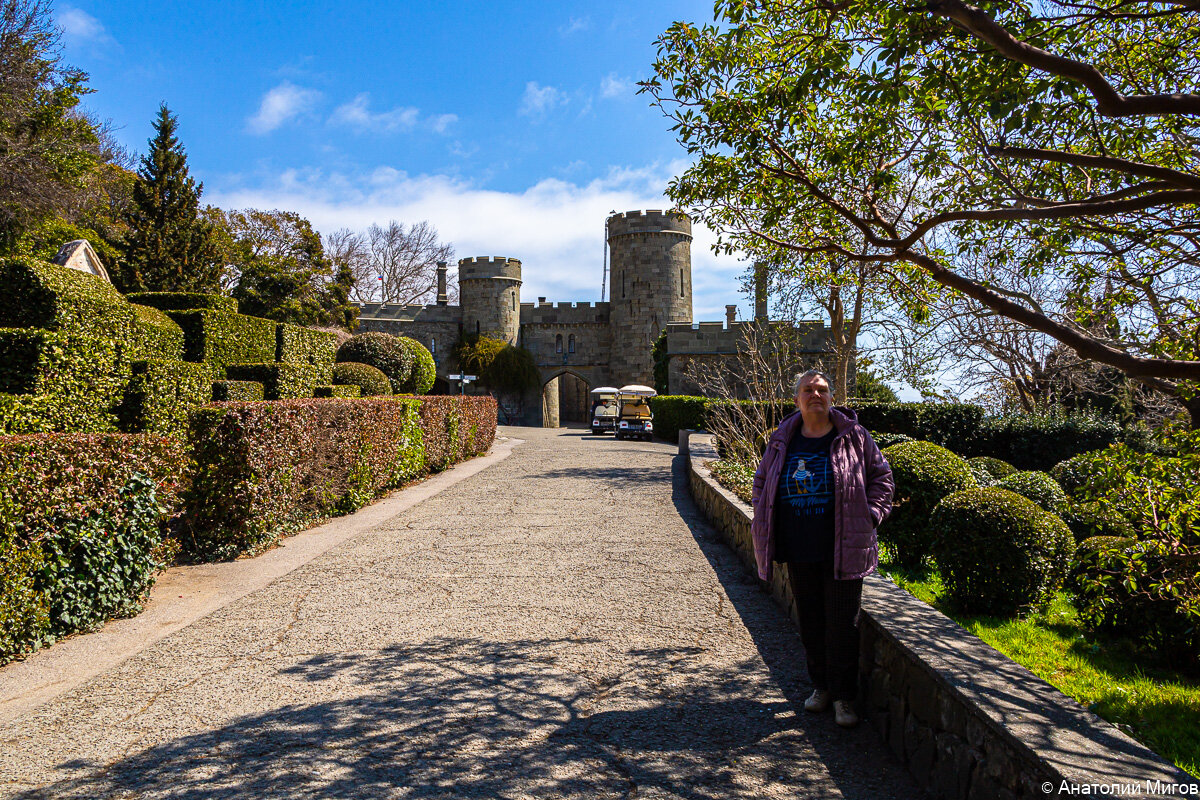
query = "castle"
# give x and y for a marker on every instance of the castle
(579, 346)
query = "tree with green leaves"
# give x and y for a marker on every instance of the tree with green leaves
(47, 146)
(959, 145)
(277, 268)
(170, 247)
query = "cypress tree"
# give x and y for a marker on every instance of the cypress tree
(170, 247)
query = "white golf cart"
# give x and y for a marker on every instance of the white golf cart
(604, 409)
(635, 421)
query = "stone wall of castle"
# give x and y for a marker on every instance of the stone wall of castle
(490, 292)
(717, 344)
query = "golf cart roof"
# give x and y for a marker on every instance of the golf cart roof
(605, 390)
(638, 390)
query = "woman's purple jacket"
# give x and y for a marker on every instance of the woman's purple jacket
(862, 495)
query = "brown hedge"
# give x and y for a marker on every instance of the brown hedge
(456, 427)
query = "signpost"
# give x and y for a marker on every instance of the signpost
(463, 380)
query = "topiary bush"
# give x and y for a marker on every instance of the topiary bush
(997, 468)
(160, 395)
(888, 439)
(1097, 520)
(1038, 487)
(997, 552)
(338, 390)
(157, 336)
(245, 391)
(297, 345)
(1032, 442)
(924, 473)
(951, 425)
(371, 381)
(382, 351)
(218, 338)
(424, 370)
(184, 301)
(455, 428)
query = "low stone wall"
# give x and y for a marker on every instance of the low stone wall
(966, 721)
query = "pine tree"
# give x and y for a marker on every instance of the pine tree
(170, 247)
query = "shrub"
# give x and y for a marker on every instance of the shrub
(998, 468)
(265, 470)
(184, 301)
(888, 439)
(674, 413)
(80, 529)
(950, 425)
(924, 474)
(1031, 442)
(157, 337)
(38, 294)
(22, 414)
(370, 380)
(73, 380)
(424, 370)
(1097, 521)
(338, 390)
(160, 395)
(513, 370)
(997, 552)
(219, 338)
(455, 428)
(297, 345)
(1038, 487)
(280, 381)
(244, 391)
(382, 351)
(736, 476)
(1148, 591)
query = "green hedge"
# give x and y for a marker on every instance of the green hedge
(675, 413)
(245, 391)
(947, 424)
(80, 530)
(368, 379)
(1031, 442)
(297, 345)
(157, 337)
(264, 470)
(384, 352)
(160, 395)
(424, 370)
(219, 338)
(339, 390)
(456, 427)
(184, 301)
(924, 473)
(280, 381)
(23, 414)
(38, 294)
(75, 377)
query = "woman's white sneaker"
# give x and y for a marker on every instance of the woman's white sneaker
(843, 714)
(817, 701)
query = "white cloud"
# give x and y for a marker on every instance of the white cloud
(357, 114)
(574, 25)
(286, 101)
(614, 86)
(555, 227)
(443, 121)
(539, 100)
(80, 27)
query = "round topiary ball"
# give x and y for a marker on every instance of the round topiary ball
(998, 468)
(370, 380)
(998, 552)
(424, 370)
(1038, 487)
(382, 351)
(924, 473)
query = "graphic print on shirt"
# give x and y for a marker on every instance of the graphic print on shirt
(808, 486)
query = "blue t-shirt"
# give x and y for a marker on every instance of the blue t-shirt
(804, 501)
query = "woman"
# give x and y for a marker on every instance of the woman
(821, 490)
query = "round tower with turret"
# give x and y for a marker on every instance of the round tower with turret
(489, 290)
(650, 284)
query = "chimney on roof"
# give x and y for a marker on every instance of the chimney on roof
(730, 315)
(541, 301)
(441, 278)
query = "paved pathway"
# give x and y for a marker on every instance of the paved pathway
(562, 624)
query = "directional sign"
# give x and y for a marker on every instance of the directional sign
(463, 378)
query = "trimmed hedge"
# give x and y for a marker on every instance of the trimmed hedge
(1038, 487)
(280, 381)
(219, 338)
(339, 390)
(160, 395)
(244, 391)
(70, 380)
(997, 552)
(947, 424)
(424, 370)
(456, 427)
(995, 467)
(24, 414)
(38, 294)
(297, 345)
(184, 301)
(675, 413)
(264, 470)
(924, 474)
(156, 337)
(382, 351)
(370, 380)
(1031, 442)
(80, 530)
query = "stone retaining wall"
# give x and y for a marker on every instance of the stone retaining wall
(966, 721)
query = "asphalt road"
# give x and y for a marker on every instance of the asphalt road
(563, 623)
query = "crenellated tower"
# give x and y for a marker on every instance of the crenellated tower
(490, 294)
(650, 285)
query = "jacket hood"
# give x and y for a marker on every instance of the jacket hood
(843, 419)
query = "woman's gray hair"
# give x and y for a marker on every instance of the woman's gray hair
(812, 373)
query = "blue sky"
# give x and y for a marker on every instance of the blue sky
(513, 127)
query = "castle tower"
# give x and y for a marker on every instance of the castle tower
(490, 294)
(650, 284)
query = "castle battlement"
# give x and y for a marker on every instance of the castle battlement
(489, 268)
(715, 338)
(564, 313)
(409, 313)
(652, 221)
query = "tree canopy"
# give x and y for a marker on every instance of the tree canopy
(962, 145)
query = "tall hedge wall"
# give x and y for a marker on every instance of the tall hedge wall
(65, 375)
(80, 529)
(156, 336)
(160, 395)
(455, 427)
(297, 345)
(38, 294)
(219, 338)
(264, 470)
(280, 381)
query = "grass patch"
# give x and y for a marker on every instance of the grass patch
(1157, 706)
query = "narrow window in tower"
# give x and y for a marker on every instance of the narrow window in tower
(514, 301)
(432, 345)
(681, 281)
(558, 343)
(622, 284)
(571, 343)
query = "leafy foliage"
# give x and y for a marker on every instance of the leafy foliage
(382, 351)
(924, 474)
(424, 370)
(1038, 487)
(674, 413)
(997, 552)
(455, 428)
(370, 380)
